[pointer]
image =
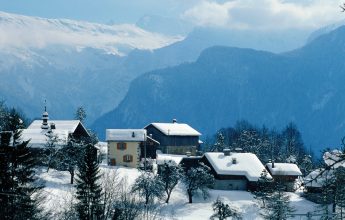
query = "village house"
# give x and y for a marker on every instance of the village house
(128, 147)
(234, 171)
(175, 138)
(285, 173)
(39, 132)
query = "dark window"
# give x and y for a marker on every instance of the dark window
(121, 146)
(112, 162)
(127, 158)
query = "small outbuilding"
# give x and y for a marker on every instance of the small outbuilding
(285, 173)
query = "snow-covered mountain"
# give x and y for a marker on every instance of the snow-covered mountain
(228, 84)
(70, 63)
(20, 31)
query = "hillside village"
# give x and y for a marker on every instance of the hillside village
(153, 151)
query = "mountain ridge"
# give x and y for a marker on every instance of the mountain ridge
(229, 84)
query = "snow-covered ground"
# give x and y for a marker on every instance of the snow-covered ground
(59, 193)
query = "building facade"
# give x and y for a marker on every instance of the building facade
(175, 138)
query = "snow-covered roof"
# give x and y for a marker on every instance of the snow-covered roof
(334, 158)
(237, 164)
(125, 134)
(39, 137)
(69, 125)
(317, 177)
(169, 158)
(285, 169)
(175, 129)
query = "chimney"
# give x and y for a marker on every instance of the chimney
(174, 121)
(226, 152)
(133, 134)
(188, 153)
(45, 117)
(234, 160)
(52, 126)
(272, 163)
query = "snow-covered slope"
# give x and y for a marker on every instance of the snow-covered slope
(33, 32)
(59, 193)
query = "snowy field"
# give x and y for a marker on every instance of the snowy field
(59, 193)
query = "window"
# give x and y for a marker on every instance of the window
(121, 146)
(127, 158)
(112, 162)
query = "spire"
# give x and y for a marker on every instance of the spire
(45, 117)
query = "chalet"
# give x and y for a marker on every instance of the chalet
(285, 173)
(234, 171)
(39, 131)
(175, 138)
(127, 147)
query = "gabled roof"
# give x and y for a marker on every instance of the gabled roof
(175, 129)
(39, 137)
(246, 164)
(125, 135)
(69, 125)
(284, 169)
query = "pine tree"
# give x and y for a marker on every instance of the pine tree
(89, 191)
(198, 179)
(148, 186)
(80, 114)
(70, 155)
(170, 176)
(51, 149)
(278, 205)
(19, 189)
(219, 145)
(340, 191)
(223, 211)
(264, 188)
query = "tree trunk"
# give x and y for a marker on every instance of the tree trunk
(72, 176)
(168, 197)
(190, 195)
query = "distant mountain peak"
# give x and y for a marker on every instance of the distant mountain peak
(21, 31)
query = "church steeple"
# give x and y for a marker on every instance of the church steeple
(45, 117)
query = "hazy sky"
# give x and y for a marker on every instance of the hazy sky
(224, 13)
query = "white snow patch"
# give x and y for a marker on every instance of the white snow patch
(59, 192)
